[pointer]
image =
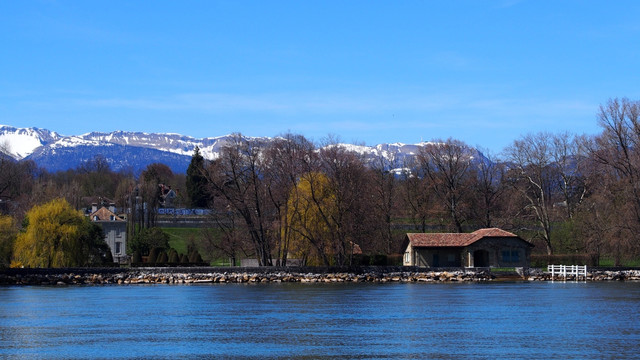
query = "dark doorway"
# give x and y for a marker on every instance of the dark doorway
(481, 258)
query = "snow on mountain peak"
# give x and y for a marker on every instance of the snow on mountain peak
(135, 150)
(21, 142)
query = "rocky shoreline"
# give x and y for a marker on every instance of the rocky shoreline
(262, 275)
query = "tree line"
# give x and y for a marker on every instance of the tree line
(321, 204)
(290, 198)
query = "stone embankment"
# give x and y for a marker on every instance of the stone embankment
(157, 276)
(204, 276)
(592, 275)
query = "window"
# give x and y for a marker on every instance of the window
(407, 258)
(506, 255)
(515, 256)
(118, 246)
(511, 256)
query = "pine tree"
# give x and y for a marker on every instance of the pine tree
(196, 182)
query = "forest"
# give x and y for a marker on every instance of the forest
(321, 204)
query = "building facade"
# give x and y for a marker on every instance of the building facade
(115, 232)
(482, 248)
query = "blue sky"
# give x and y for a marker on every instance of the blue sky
(484, 72)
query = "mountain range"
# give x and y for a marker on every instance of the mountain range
(135, 150)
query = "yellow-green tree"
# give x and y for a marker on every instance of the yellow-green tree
(56, 235)
(8, 233)
(311, 210)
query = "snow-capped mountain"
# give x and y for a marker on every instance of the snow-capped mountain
(123, 150)
(20, 143)
(135, 150)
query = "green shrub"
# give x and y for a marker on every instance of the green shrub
(136, 258)
(162, 258)
(174, 258)
(147, 239)
(108, 257)
(153, 255)
(194, 257)
(184, 259)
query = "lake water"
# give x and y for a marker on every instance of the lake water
(359, 321)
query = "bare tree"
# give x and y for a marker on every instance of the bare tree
(417, 195)
(384, 193)
(287, 158)
(227, 239)
(347, 177)
(238, 177)
(489, 188)
(446, 164)
(16, 184)
(533, 176)
(567, 157)
(150, 191)
(618, 145)
(616, 160)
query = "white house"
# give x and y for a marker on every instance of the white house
(115, 231)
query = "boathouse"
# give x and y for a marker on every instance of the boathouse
(490, 247)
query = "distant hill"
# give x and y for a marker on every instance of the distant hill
(135, 150)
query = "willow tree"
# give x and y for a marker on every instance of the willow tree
(311, 220)
(327, 207)
(56, 235)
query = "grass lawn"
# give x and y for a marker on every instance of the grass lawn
(609, 262)
(180, 238)
(503, 269)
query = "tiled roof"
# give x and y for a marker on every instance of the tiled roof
(356, 249)
(455, 239)
(104, 214)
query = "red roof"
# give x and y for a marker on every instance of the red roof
(104, 214)
(455, 239)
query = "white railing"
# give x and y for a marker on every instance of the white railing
(568, 270)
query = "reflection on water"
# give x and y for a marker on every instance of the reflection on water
(359, 321)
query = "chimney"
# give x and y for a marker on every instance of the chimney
(94, 207)
(112, 207)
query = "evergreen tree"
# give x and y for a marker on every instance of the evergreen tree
(196, 182)
(174, 258)
(162, 258)
(154, 253)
